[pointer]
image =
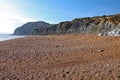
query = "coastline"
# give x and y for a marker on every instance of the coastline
(5, 37)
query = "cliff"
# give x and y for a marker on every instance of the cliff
(87, 25)
(31, 28)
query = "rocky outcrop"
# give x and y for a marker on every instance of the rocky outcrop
(111, 33)
(31, 28)
(88, 25)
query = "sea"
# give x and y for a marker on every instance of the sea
(4, 37)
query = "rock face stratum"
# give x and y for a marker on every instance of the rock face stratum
(87, 25)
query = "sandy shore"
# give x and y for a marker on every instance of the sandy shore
(60, 57)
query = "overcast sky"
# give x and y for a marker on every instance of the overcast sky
(14, 13)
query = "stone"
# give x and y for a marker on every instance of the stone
(101, 50)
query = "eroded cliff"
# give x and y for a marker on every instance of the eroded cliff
(87, 25)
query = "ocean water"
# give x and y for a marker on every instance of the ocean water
(4, 37)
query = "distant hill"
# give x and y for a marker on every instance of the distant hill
(87, 25)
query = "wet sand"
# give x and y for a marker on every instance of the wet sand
(60, 57)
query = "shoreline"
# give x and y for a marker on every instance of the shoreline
(6, 37)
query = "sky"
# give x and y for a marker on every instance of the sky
(14, 13)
